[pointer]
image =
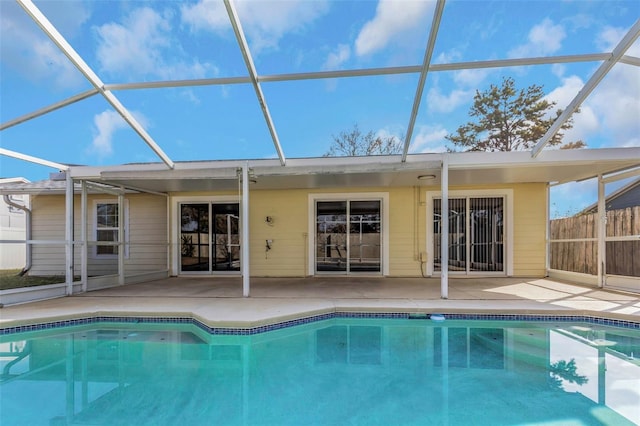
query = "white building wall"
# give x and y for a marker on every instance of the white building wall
(12, 227)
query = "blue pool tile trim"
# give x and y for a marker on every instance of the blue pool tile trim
(315, 318)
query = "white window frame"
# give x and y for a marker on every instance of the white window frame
(349, 196)
(508, 238)
(95, 253)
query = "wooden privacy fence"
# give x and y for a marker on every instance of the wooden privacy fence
(574, 243)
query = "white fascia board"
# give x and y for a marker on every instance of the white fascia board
(523, 158)
(14, 180)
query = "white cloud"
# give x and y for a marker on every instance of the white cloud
(393, 19)
(609, 38)
(264, 22)
(543, 39)
(27, 50)
(429, 139)
(106, 124)
(585, 123)
(615, 100)
(140, 46)
(439, 102)
(338, 57)
(471, 77)
(205, 15)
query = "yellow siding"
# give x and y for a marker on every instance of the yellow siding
(147, 235)
(404, 232)
(289, 254)
(529, 230)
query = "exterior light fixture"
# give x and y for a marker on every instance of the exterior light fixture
(426, 177)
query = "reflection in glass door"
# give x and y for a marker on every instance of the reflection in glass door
(194, 237)
(209, 245)
(348, 237)
(226, 237)
(476, 232)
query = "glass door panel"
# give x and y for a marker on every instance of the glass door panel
(476, 232)
(226, 237)
(486, 234)
(331, 236)
(364, 236)
(457, 234)
(194, 237)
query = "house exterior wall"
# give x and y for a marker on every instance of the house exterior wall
(147, 228)
(13, 227)
(530, 222)
(289, 230)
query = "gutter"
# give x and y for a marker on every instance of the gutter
(8, 201)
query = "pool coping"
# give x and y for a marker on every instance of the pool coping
(248, 328)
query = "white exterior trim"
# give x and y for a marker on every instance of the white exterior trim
(350, 196)
(508, 249)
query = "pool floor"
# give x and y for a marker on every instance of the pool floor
(344, 371)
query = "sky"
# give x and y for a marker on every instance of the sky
(134, 41)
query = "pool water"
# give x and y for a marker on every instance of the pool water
(331, 372)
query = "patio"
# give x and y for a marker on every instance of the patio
(219, 301)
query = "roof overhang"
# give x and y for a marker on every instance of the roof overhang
(465, 169)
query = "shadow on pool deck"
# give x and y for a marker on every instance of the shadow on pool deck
(218, 300)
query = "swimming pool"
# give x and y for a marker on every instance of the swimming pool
(336, 371)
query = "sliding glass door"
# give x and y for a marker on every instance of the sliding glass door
(476, 234)
(348, 236)
(209, 237)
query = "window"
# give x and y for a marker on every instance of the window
(107, 228)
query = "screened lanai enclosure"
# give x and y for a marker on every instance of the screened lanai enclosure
(193, 138)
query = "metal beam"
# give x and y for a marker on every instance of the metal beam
(591, 84)
(433, 33)
(630, 60)
(220, 81)
(244, 48)
(31, 159)
(68, 234)
(363, 72)
(48, 109)
(82, 66)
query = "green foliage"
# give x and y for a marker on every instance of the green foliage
(354, 143)
(563, 370)
(11, 278)
(508, 119)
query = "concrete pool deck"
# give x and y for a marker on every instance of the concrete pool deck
(218, 301)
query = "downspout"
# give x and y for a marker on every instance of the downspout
(27, 211)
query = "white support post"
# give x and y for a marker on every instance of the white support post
(69, 235)
(169, 247)
(602, 230)
(245, 231)
(547, 237)
(121, 238)
(83, 236)
(444, 229)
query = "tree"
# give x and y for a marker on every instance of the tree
(508, 119)
(354, 143)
